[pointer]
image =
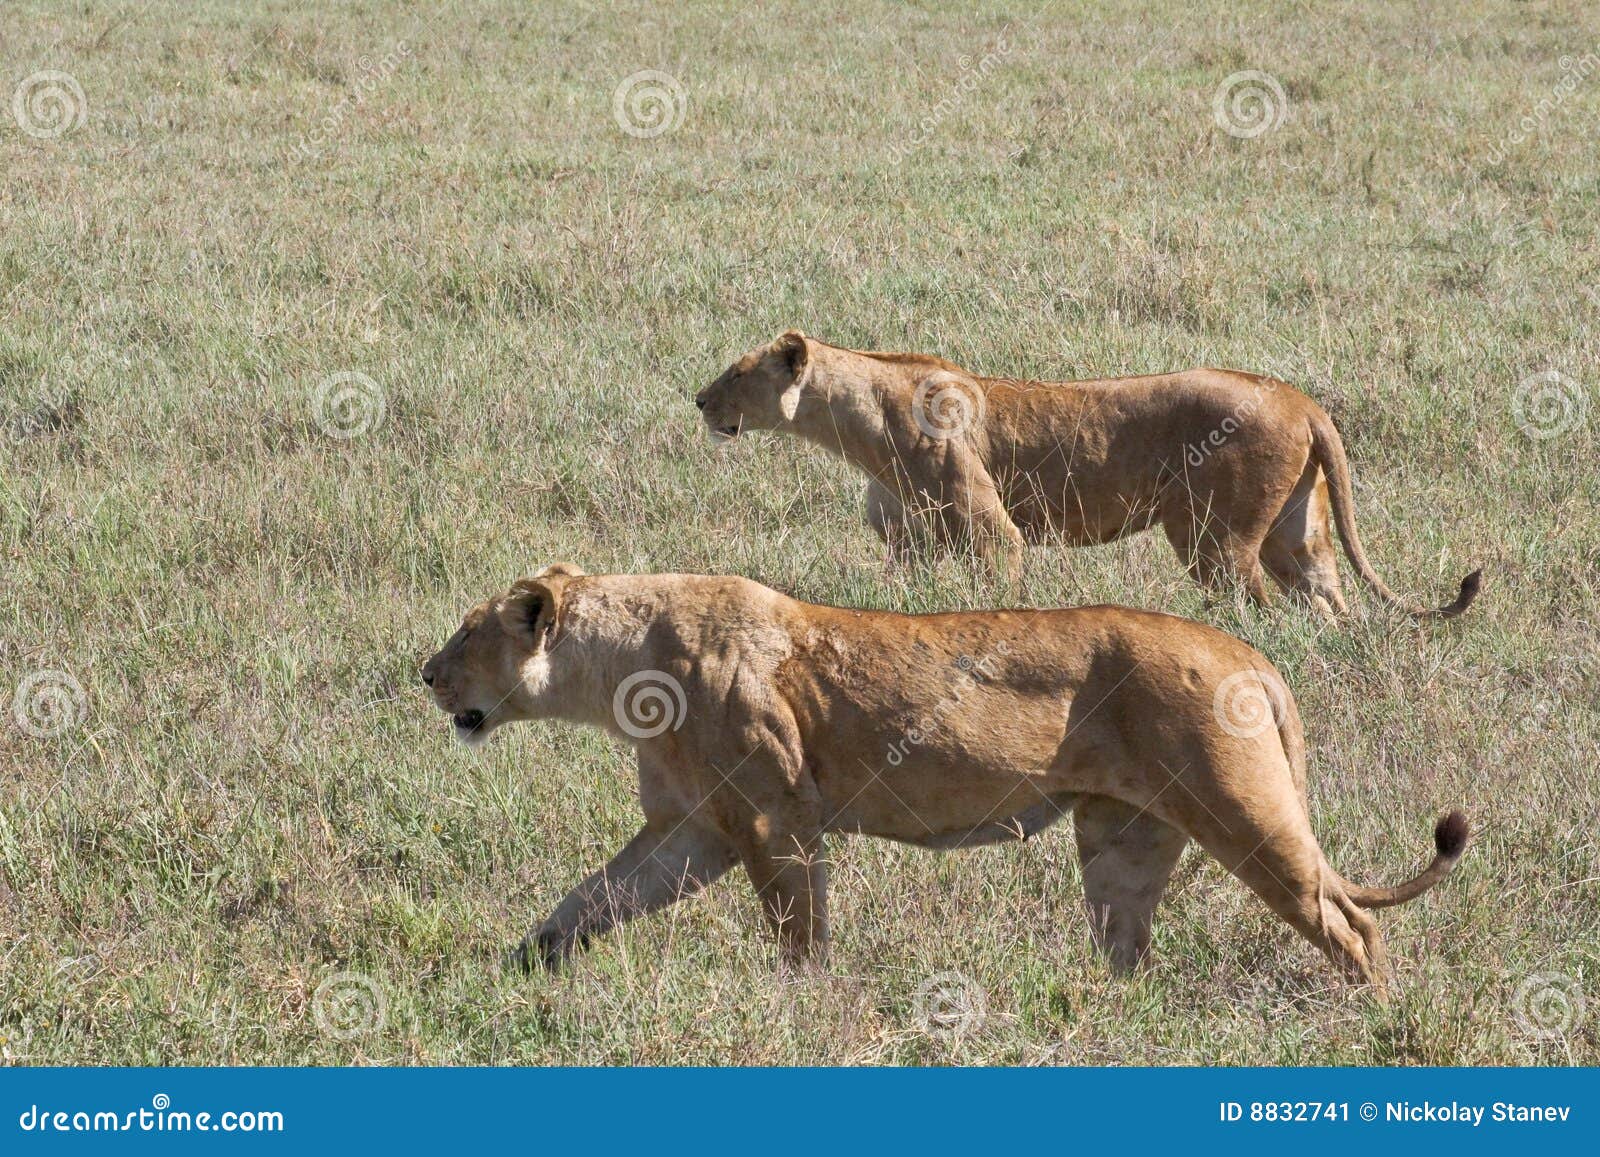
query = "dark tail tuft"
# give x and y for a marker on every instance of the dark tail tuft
(1449, 840)
(1450, 835)
(1464, 598)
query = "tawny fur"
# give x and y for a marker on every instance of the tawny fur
(1239, 470)
(786, 721)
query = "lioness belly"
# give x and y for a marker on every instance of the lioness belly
(1001, 829)
(1081, 509)
(942, 791)
(935, 808)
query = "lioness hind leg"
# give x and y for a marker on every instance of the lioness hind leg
(1216, 553)
(1299, 550)
(1216, 558)
(1371, 939)
(1127, 857)
(1271, 849)
(1219, 515)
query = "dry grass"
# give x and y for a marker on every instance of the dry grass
(257, 797)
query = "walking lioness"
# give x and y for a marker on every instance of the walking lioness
(762, 723)
(1236, 468)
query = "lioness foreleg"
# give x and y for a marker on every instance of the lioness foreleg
(672, 857)
(791, 878)
(953, 482)
(1127, 857)
(886, 514)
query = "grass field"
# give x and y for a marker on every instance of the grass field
(232, 830)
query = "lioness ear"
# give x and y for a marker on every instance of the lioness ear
(791, 343)
(563, 568)
(532, 608)
(791, 347)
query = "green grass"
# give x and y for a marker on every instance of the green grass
(257, 797)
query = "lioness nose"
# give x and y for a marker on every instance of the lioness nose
(699, 402)
(427, 677)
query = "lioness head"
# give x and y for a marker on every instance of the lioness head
(496, 668)
(759, 391)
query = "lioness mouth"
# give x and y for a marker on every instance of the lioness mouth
(468, 720)
(728, 431)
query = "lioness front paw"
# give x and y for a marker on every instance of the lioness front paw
(546, 951)
(518, 959)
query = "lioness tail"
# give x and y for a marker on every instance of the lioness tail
(1327, 448)
(1450, 836)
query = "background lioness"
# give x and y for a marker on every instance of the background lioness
(1235, 467)
(762, 722)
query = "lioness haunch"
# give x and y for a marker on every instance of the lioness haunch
(762, 723)
(1236, 468)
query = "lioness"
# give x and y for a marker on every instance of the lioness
(1235, 467)
(762, 722)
